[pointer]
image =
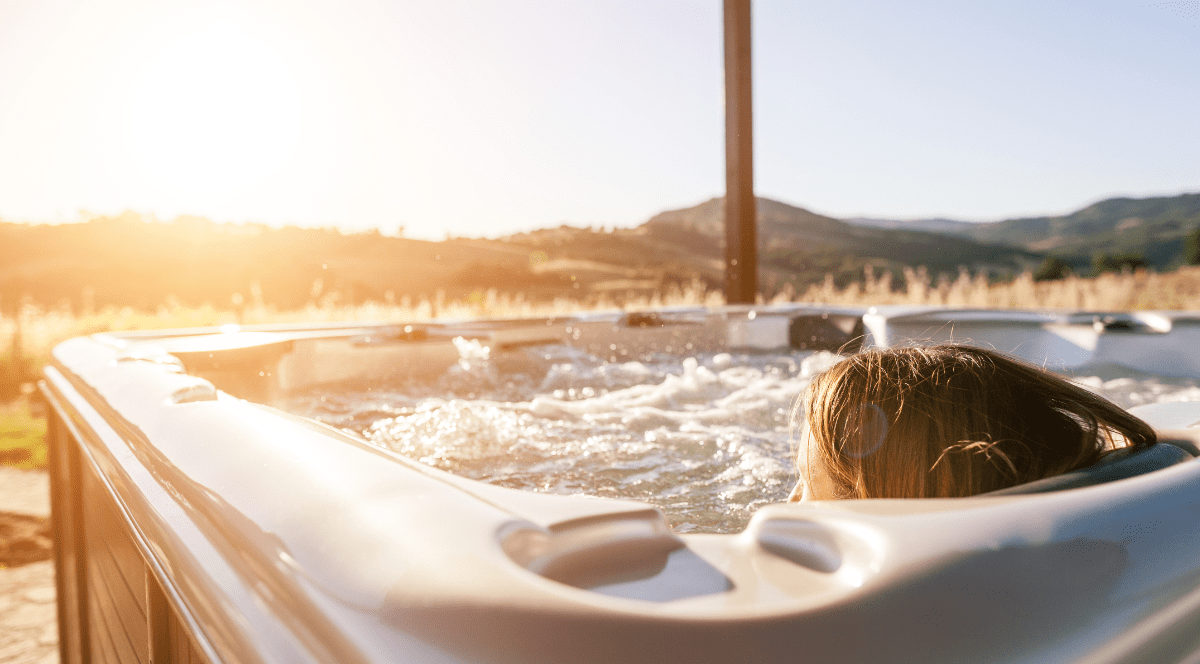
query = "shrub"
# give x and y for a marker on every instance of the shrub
(1051, 269)
(1191, 248)
(1120, 262)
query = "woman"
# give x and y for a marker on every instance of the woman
(949, 421)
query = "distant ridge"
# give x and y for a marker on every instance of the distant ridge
(803, 246)
(932, 225)
(126, 260)
(1153, 227)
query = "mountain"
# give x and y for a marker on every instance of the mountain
(933, 225)
(800, 246)
(126, 260)
(1152, 227)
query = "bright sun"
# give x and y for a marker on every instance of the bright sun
(211, 116)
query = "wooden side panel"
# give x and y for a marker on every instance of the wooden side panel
(183, 649)
(111, 608)
(158, 613)
(116, 580)
(169, 639)
(69, 552)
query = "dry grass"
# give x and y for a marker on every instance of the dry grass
(41, 330)
(1109, 291)
(26, 341)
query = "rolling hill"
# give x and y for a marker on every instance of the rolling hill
(130, 261)
(801, 246)
(931, 225)
(1153, 227)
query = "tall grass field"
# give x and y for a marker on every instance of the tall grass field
(26, 339)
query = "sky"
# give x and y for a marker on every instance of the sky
(481, 118)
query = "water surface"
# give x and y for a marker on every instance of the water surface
(707, 438)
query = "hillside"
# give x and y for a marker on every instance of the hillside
(1154, 227)
(126, 261)
(931, 225)
(129, 261)
(800, 246)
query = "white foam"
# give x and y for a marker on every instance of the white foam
(706, 438)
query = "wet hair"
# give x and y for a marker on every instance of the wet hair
(952, 421)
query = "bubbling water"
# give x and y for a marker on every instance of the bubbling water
(708, 438)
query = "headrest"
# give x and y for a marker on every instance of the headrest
(1116, 465)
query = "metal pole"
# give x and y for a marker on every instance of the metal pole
(741, 246)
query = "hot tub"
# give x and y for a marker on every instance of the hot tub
(197, 522)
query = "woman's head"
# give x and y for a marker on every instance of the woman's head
(949, 421)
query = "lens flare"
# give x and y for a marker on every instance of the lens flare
(211, 116)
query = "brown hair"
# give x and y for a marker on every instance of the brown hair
(947, 421)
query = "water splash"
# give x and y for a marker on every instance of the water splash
(705, 438)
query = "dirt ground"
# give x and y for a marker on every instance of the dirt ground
(28, 623)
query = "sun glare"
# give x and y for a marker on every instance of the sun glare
(211, 116)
